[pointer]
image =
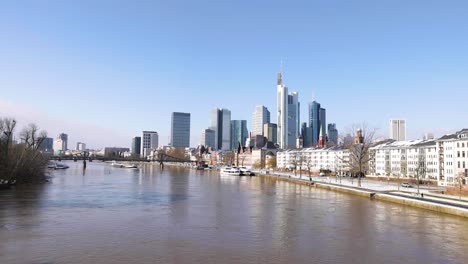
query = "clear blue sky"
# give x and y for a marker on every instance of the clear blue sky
(102, 71)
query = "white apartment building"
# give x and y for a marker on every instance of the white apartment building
(334, 159)
(149, 141)
(405, 159)
(444, 159)
(452, 150)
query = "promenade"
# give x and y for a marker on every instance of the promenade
(388, 191)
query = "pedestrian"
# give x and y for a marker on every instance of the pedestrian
(422, 195)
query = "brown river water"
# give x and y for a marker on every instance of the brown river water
(113, 215)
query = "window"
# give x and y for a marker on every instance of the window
(458, 164)
(458, 153)
(463, 154)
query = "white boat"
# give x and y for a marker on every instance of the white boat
(246, 171)
(125, 166)
(231, 171)
(57, 166)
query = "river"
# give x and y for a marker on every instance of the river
(113, 215)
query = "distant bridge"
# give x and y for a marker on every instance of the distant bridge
(161, 158)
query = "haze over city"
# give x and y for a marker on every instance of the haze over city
(103, 72)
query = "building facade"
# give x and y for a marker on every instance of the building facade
(149, 141)
(334, 159)
(239, 133)
(282, 112)
(397, 129)
(61, 143)
(208, 138)
(317, 121)
(180, 130)
(221, 124)
(47, 145)
(270, 131)
(260, 117)
(332, 134)
(136, 146)
(293, 119)
(80, 146)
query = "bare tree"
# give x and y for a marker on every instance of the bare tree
(309, 167)
(460, 179)
(300, 161)
(294, 163)
(420, 170)
(359, 149)
(403, 166)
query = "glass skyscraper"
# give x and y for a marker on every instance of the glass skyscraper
(180, 130)
(239, 133)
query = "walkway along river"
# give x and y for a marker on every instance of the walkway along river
(114, 215)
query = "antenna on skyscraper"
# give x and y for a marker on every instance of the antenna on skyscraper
(313, 95)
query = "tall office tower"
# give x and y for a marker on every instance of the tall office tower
(282, 112)
(398, 129)
(149, 141)
(306, 133)
(221, 124)
(208, 138)
(136, 145)
(239, 133)
(293, 119)
(323, 123)
(332, 134)
(260, 117)
(270, 131)
(61, 143)
(314, 121)
(180, 130)
(80, 146)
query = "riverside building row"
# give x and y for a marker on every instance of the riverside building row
(444, 160)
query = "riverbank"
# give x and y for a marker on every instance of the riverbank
(432, 203)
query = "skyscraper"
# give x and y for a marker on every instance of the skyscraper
(332, 134)
(80, 146)
(239, 133)
(208, 138)
(149, 141)
(323, 122)
(293, 119)
(398, 129)
(260, 117)
(270, 131)
(61, 143)
(314, 122)
(221, 124)
(306, 133)
(180, 130)
(136, 145)
(282, 114)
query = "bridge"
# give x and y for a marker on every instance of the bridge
(161, 158)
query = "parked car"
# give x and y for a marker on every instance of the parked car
(405, 184)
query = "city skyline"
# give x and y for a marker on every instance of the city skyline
(377, 79)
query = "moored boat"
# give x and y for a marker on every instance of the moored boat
(231, 171)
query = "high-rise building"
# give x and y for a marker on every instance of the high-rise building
(332, 134)
(208, 138)
(398, 129)
(293, 119)
(323, 122)
(47, 145)
(282, 112)
(221, 124)
(239, 133)
(61, 143)
(270, 131)
(80, 146)
(314, 122)
(180, 130)
(136, 145)
(306, 133)
(260, 117)
(149, 141)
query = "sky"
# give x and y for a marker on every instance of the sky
(103, 71)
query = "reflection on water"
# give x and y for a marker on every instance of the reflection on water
(113, 215)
